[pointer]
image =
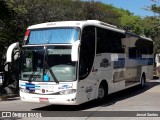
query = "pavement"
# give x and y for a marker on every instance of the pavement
(125, 105)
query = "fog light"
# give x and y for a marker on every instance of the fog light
(66, 92)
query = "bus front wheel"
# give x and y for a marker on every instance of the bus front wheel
(102, 92)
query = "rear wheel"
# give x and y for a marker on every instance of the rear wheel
(143, 81)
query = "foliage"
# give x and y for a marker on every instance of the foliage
(5, 17)
(127, 19)
(152, 24)
(17, 15)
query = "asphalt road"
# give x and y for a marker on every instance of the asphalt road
(134, 103)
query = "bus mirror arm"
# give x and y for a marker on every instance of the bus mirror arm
(75, 51)
(10, 51)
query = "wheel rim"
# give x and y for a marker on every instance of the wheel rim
(101, 93)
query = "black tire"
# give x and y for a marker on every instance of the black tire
(143, 81)
(102, 92)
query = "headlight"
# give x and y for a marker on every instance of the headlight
(24, 90)
(66, 92)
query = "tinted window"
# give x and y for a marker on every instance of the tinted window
(54, 35)
(87, 51)
(109, 41)
(142, 46)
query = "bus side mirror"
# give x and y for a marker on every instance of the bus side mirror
(75, 51)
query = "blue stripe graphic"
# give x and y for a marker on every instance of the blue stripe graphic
(30, 85)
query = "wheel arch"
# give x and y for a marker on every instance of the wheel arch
(143, 75)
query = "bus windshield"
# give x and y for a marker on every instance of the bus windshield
(54, 35)
(41, 63)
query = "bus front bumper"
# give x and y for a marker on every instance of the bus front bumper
(50, 99)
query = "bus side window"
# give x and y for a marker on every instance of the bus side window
(109, 41)
(87, 51)
(133, 53)
(115, 38)
(141, 47)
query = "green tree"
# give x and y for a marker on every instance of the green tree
(152, 25)
(28, 12)
(5, 17)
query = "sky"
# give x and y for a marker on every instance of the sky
(134, 6)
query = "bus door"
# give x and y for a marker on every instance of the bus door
(87, 55)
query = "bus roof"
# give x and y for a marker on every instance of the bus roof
(75, 24)
(80, 24)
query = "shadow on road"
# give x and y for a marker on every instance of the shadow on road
(112, 99)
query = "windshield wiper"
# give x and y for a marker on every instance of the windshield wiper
(50, 70)
(31, 76)
(52, 74)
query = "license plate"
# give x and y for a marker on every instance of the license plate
(43, 99)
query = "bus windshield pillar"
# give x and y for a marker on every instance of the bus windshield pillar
(74, 52)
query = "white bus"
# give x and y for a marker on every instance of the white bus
(73, 62)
